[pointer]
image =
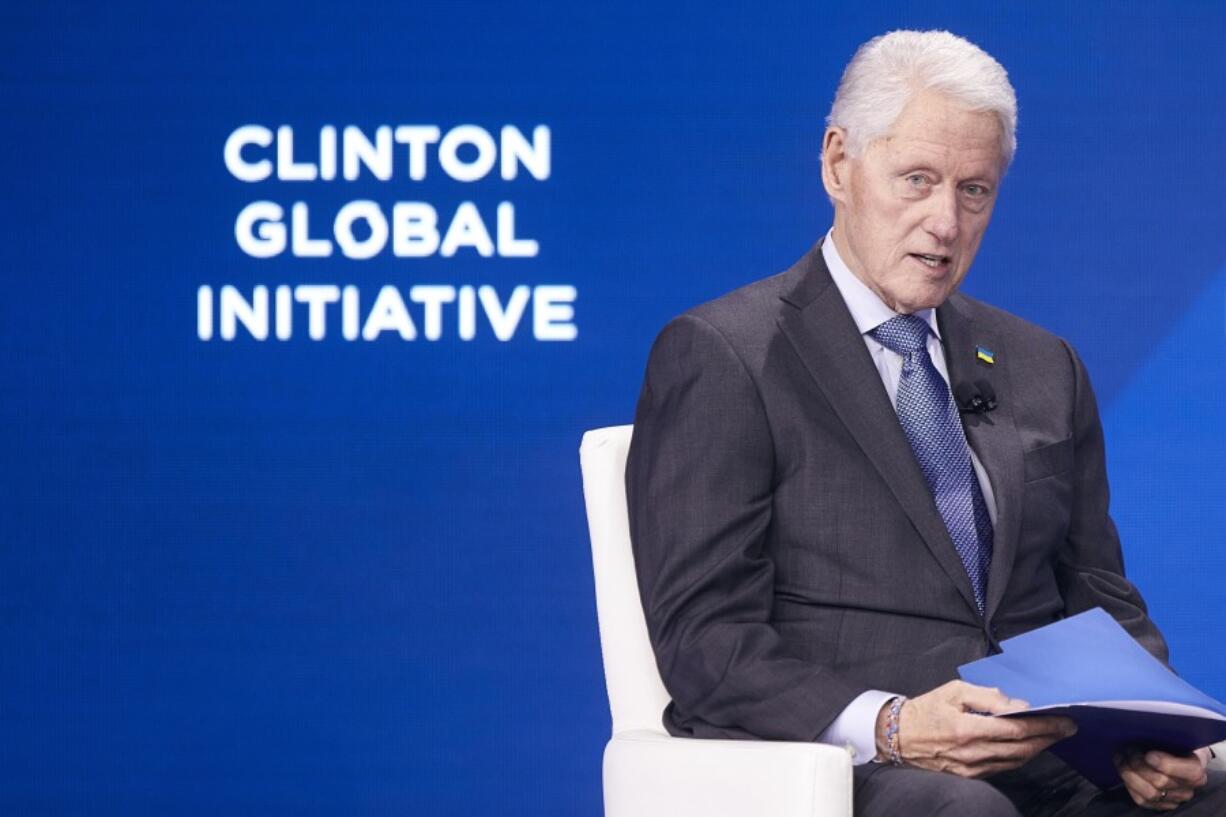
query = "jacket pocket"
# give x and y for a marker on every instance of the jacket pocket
(1046, 460)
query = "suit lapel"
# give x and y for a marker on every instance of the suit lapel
(993, 436)
(825, 337)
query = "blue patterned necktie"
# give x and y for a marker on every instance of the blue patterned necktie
(929, 418)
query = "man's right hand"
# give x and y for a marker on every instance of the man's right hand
(945, 730)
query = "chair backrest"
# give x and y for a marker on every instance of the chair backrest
(636, 694)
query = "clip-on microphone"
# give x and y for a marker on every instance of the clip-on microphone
(977, 399)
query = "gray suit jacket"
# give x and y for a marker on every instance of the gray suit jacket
(789, 553)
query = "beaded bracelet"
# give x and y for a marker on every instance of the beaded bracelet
(891, 730)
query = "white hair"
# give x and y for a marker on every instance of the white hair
(887, 71)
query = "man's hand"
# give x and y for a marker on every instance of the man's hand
(1159, 780)
(945, 730)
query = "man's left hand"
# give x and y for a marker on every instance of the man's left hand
(1160, 780)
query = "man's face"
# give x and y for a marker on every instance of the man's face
(911, 210)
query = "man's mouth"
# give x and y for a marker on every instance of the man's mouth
(933, 261)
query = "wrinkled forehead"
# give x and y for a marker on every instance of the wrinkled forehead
(933, 131)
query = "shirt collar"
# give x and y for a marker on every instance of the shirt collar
(867, 309)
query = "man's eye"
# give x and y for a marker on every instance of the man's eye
(976, 190)
(917, 180)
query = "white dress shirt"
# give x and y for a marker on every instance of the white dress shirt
(856, 726)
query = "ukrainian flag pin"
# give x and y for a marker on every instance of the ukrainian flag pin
(985, 354)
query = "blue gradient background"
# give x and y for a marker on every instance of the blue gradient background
(325, 578)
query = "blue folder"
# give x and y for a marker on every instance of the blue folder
(1088, 668)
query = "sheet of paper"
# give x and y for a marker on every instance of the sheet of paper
(1088, 668)
(1087, 657)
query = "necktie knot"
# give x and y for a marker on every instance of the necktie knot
(905, 334)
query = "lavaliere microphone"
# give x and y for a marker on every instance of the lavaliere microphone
(977, 399)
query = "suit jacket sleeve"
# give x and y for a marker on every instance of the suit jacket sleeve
(1090, 569)
(699, 487)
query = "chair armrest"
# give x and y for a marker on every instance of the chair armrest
(650, 774)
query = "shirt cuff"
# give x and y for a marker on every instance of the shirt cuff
(855, 728)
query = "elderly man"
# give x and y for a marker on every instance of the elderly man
(823, 537)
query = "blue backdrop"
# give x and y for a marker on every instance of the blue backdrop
(351, 576)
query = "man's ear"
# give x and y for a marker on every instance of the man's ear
(834, 163)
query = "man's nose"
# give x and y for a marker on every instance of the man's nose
(942, 220)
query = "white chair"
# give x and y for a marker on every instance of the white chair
(648, 773)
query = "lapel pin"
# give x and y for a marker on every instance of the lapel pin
(985, 354)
